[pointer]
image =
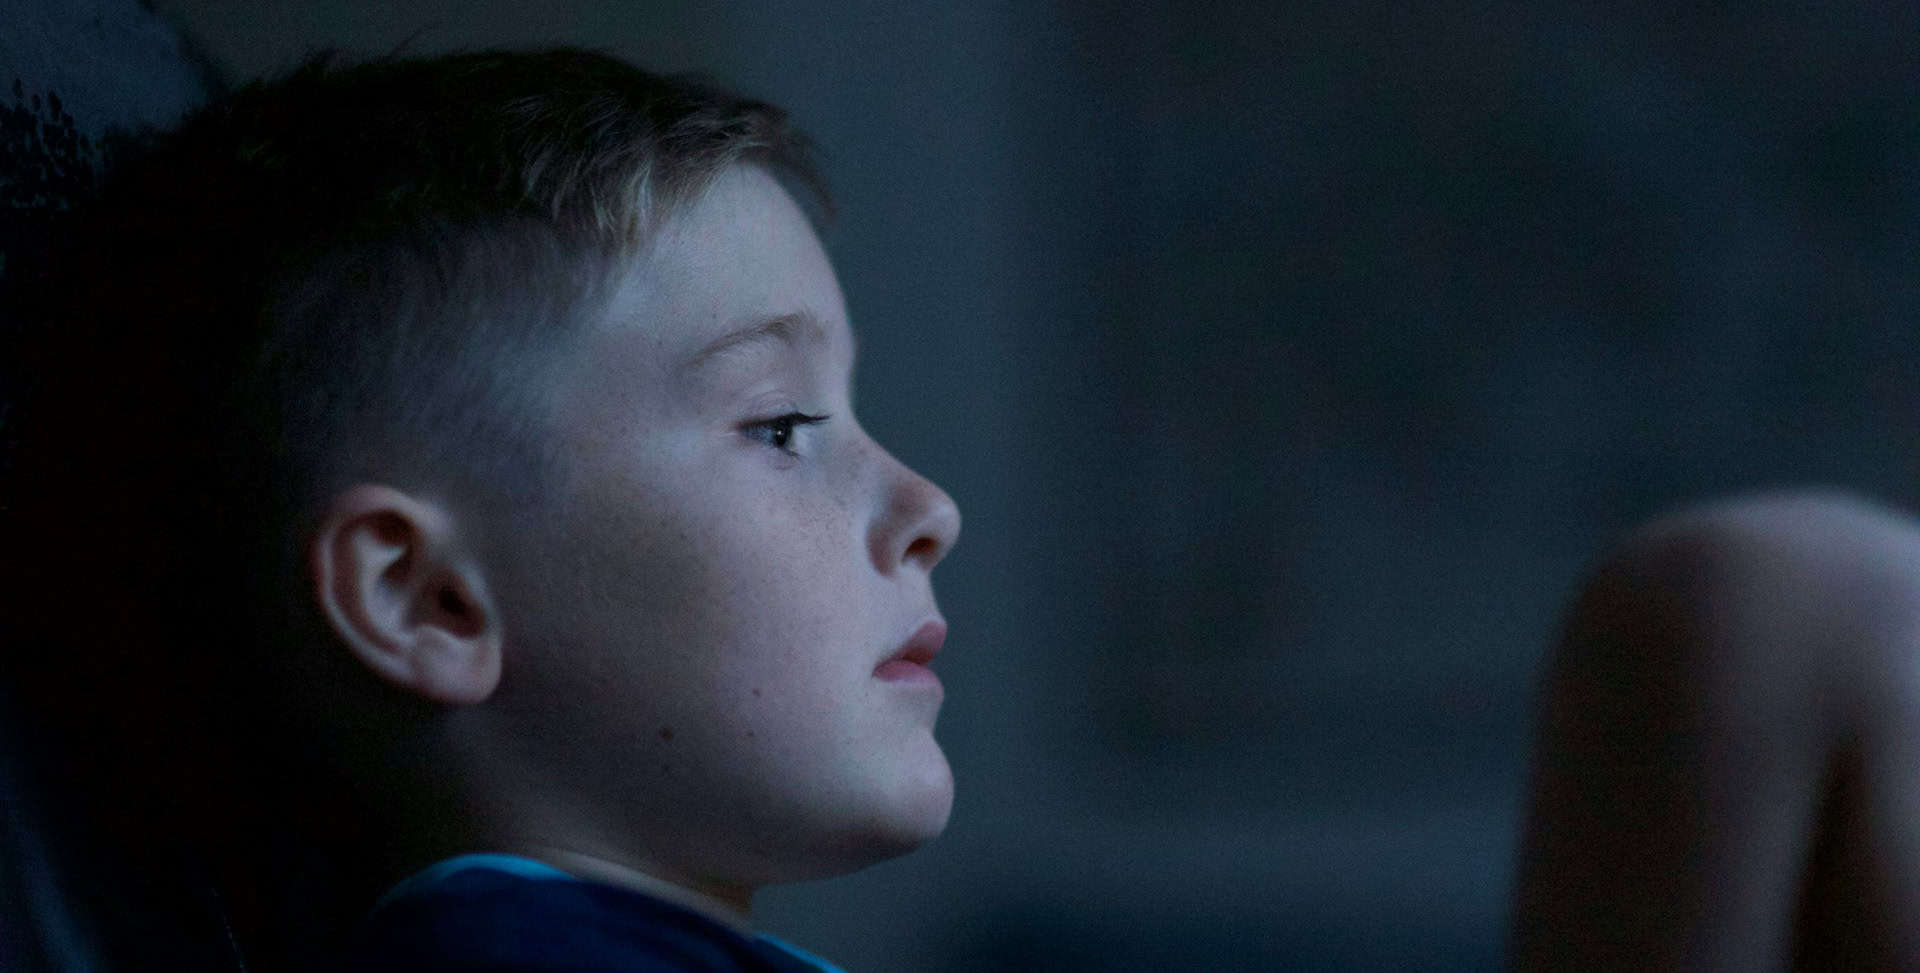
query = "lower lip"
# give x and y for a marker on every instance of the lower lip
(902, 671)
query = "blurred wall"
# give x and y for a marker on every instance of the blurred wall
(1288, 362)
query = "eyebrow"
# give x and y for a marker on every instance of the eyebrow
(789, 328)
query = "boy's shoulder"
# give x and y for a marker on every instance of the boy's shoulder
(488, 919)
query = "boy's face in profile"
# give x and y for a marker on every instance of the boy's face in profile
(704, 627)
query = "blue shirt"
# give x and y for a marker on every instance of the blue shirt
(508, 914)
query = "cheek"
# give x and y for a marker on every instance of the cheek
(734, 584)
(688, 601)
(780, 581)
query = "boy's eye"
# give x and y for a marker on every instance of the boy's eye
(778, 431)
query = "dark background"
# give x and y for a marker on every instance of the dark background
(1288, 362)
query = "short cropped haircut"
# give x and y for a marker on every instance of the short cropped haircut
(376, 253)
(352, 273)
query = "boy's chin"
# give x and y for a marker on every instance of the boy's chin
(909, 816)
(926, 810)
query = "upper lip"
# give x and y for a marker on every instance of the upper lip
(923, 644)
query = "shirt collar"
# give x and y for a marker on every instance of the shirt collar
(524, 867)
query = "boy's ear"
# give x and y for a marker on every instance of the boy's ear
(405, 597)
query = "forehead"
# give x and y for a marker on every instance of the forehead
(738, 256)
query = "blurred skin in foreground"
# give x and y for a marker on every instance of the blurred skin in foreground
(1728, 769)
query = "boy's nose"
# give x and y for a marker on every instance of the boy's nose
(920, 523)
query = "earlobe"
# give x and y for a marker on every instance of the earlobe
(404, 597)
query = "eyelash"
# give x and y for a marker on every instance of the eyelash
(777, 432)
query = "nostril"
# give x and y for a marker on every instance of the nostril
(923, 548)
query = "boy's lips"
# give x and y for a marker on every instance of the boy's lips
(910, 662)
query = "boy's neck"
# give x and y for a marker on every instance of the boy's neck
(735, 914)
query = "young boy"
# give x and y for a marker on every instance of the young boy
(468, 442)
(1729, 772)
